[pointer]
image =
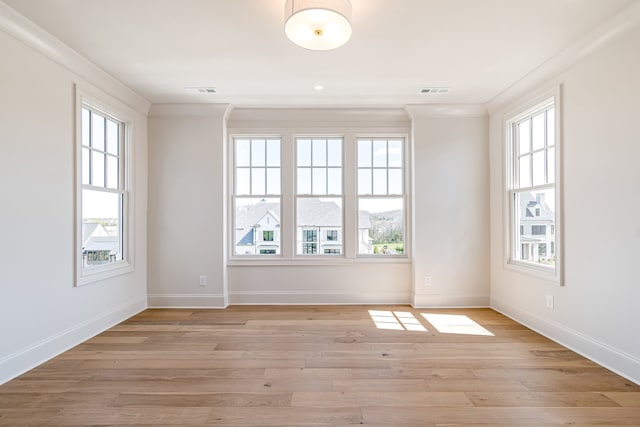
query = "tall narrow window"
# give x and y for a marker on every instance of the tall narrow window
(103, 196)
(257, 196)
(381, 196)
(319, 196)
(532, 186)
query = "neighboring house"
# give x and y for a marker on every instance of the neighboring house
(319, 229)
(537, 229)
(98, 245)
(258, 229)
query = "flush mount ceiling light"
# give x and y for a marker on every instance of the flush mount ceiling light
(318, 24)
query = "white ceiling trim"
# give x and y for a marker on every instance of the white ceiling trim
(446, 110)
(25, 31)
(214, 110)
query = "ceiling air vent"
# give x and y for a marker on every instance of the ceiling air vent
(201, 90)
(434, 90)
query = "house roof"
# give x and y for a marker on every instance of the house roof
(529, 202)
(319, 213)
(313, 212)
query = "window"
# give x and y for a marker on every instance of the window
(380, 196)
(103, 196)
(309, 242)
(257, 196)
(532, 192)
(319, 194)
(538, 230)
(321, 198)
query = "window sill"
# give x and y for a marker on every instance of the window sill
(96, 274)
(539, 271)
(308, 261)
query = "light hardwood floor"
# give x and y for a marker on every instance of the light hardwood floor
(294, 366)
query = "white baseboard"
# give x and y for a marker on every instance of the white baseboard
(316, 298)
(603, 354)
(186, 301)
(449, 301)
(18, 363)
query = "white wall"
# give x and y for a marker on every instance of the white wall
(42, 313)
(187, 175)
(341, 281)
(596, 310)
(451, 208)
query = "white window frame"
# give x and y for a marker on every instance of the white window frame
(301, 196)
(349, 255)
(511, 227)
(404, 195)
(235, 196)
(110, 108)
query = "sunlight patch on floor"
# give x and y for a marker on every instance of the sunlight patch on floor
(455, 324)
(396, 320)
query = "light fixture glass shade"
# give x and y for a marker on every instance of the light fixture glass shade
(318, 24)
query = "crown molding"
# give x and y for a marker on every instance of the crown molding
(547, 72)
(167, 110)
(27, 32)
(417, 111)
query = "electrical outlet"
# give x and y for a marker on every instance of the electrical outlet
(427, 280)
(203, 280)
(550, 301)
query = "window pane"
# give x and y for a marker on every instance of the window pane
(86, 167)
(86, 127)
(538, 131)
(304, 152)
(551, 165)
(101, 227)
(334, 149)
(273, 152)
(257, 226)
(97, 165)
(97, 135)
(535, 218)
(525, 172)
(112, 137)
(258, 153)
(524, 137)
(112, 172)
(319, 152)
(538, 168)
(395, 181)
(551, 122)
(319, 181)
(243, 152)
(364, 153)
(304, 180)
(380, 153)
(395, 154)
(381, 226)
(334, 181)
(319, 226)
(379, 181)
(273, 180)
(258, 185)
(243, 181)
(364, 181)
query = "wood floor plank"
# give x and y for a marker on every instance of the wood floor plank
(317, 366)
(342, 399)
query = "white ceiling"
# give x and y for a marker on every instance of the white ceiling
(478, 48)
